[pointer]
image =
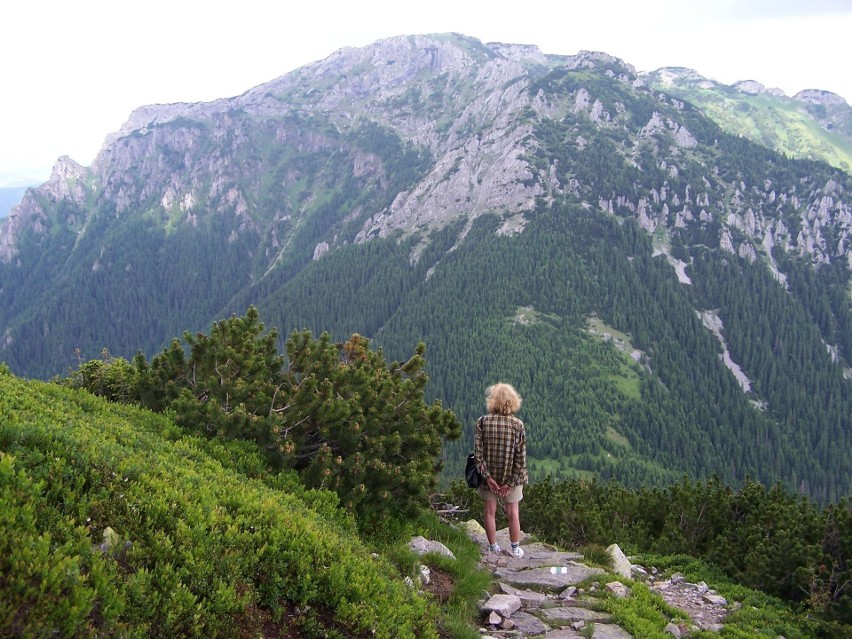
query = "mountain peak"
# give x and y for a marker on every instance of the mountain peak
(820, 97)
(64, 170)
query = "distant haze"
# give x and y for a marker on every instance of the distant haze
(9, 197)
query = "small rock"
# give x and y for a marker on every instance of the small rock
(638, 572)
(504, 605)
(494, 619)
(716, 600)
(713, 627)
(702, 587)
(677, 578)
(425, 575)
(568, 593)
(507, 624)
(617, 589)
(421, 546)
(110, 541)
(473, 527)
(578, 625)
(673, 629)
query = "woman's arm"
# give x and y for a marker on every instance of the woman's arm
(519, 461)
(479, 450)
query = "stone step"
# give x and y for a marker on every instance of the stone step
(554, 578)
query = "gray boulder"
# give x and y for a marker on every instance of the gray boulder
(421, 546)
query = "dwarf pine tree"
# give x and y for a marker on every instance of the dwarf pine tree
(227, 385)
(340, 413)
(361, 426)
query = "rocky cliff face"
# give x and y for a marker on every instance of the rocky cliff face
(452, 97)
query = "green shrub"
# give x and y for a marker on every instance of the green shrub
(111, 377)
(51, 579)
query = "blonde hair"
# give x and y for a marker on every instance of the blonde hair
(503, 399)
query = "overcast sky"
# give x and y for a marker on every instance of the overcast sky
(71, 72)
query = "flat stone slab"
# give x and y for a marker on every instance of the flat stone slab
(554, 578)
(527, 597)
(477, 533)
(528, 625)
(568, 614)
(610, 631)
(716, 600)
(564, 633)
(538, 546)
(541, 559)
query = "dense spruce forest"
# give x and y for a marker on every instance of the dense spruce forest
(525, 306)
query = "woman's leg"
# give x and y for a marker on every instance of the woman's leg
(490, 506)
(514, 521)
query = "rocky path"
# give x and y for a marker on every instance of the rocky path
(540, 594)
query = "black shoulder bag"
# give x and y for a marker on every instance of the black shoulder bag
(471, 473)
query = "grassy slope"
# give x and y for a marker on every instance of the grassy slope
(203, 543)
(778, 123)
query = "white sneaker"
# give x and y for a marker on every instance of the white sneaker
(518, 551)
(495, 548)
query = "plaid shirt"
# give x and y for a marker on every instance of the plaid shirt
(500, 448)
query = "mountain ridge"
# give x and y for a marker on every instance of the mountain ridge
(812, 124)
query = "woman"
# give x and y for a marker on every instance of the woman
(500, 449)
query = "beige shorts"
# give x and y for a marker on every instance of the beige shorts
(516, 494)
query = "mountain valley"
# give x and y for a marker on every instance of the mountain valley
(670, 297)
